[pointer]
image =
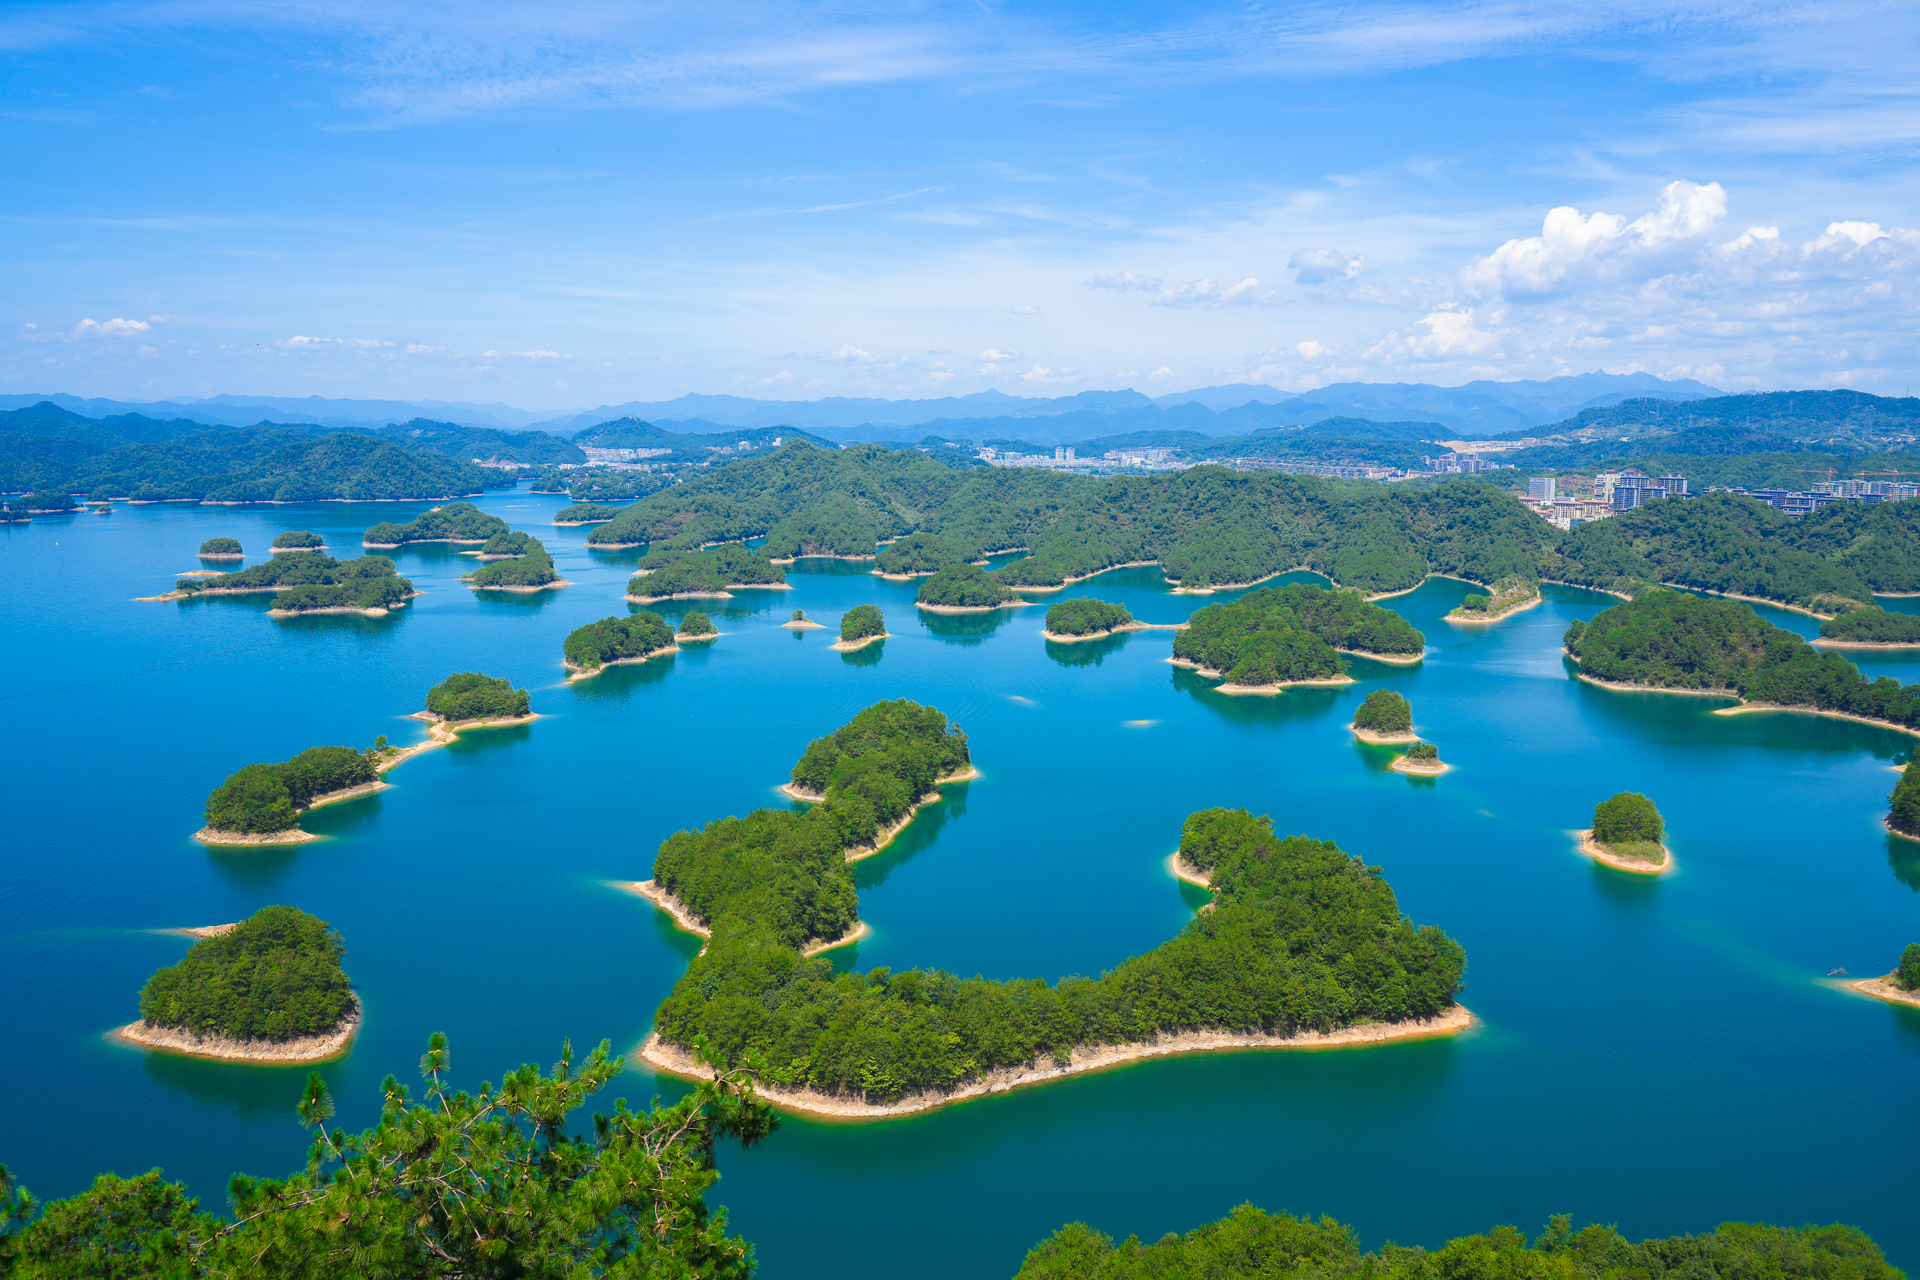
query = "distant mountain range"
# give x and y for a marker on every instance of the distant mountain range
(1476, 410)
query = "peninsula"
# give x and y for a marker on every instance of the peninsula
(269, 989)
(712, 574)
(860, 626)
(1903, 806)
(1870, 629)
(1278, 637)
(582, 513)
(1385, 718)
(1305, 947)
(1626, 835)
(612, 642)
(964, 588)
(918, 555)
(259, 803)
(1509, 596)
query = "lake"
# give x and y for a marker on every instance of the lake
(1662, 1055)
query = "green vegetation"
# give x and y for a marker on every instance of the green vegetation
(1507, 593)
(298, 540)
(260, 798)
(220, 547)
(837, 526)
(1251, 1244)
(1629, 824)
(469, 695)
(1904, 812)
(1872, 626)
(963, 586)
(455, 522)
(1085, 616)
(1907, 976)
(509, 543)
(1384, 711)
(1672, 640)
(696, 626)
(366, 592)
(494, 1183)
(1302, 936)
(1277, 635)
(861, 621)
(664, 572)
(920, 553)
(590, 647)
(274, 976)
(533, 568)
(49, 503)
(799, 615)
(313, 581)
(1423, 751)
(585, 513)
(610, 485)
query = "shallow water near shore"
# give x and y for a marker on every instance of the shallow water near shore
(1658, 1054)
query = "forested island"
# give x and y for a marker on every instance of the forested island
(696, 626)
(584, 513)
(1422, 760)
(313, 583)
(1508, 596)
(1304, 945)
(455, 522)
(1626, 835)
(917, 555)
(259, 803)
(1870, 629)
(860, 626)
(299, 540)
(1250, 1243)
(1676, 641)
(1903, 811)
(221, 549)
(1384, 717)
(519, 563)
(1278, 636)
(269, 989)
(467, 697)
(964, 588)
(666, 574)
(1084, 618)
(611, 642)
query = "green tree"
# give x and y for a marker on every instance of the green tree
(1628, 818)
(471, 695)
(1423, 751)
(298, 538)
(965, 586)
(1907, 976)
(695, 625)
(1904, 813)
(220, 547)
(1084, 615)
(1384, 711)
(274, 976)
(254, 799)
(861, 621)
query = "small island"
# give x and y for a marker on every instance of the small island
(1870, 629)
(964, 588)
(456, 522)
(1422, 760)
(473, 698)
(221, 549)
(696, 626)
(1385, 718)
(269, 989)
(1084, 618)
(860, 626)
(612, 642)
(299, 540)
(713, 574)
(801, 622)
(519, 563)
(1902, 986)
(1626, 835)
(1509, 596)
(916, 556)
(259, 803)
(584, 513)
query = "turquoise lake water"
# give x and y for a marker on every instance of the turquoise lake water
(1658, 1054)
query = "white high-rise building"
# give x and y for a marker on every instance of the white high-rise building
(1540, 489)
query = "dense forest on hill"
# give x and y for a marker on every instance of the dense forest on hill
(663, 572)
(150, 460)
(1251, 1244)
(1085, 616)
(1673, 640)
(473, 695)
(455, 522)
(1301, 936)
(532, 565)
(920, 553)
(1828, 561)
(1794, 415)
(1872, 626)
(274, 976)
(259, 798)
(963, 586)
(529, 448)
(1280, 634)
(592, 646)
(1207, 525)
(584, 513)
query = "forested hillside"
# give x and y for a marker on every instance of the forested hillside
(147, 460)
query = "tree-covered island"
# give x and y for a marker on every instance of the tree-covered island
(801, 622)
(221, 549)
(1304, 945)
(696, 626)
(1508, 596)
(259, 803)
(299, 540)
(1870, 629)
(584, 513)
(860, 626)
(269, 989)
(964, 588)
(1422, 760)
(1627, 835)
(714, 574)
(518, 563)
(610, 642)
(1279, 636)
(1084, 618)
(456, 522)
(917, 555)
(1671, 640)
(312, 583)
(1385, 716)
(467, 697)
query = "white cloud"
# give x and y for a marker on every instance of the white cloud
(850, 354)
(1026, 311)
(1322, 266)
(110, 328)
(1571, 250)
(539, 355)
(997, 356)
(1205, 293)
(1443, 335)
(1312, 351)
(1125, 280)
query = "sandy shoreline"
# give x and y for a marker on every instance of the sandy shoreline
(1752, 708)
(345, 608)
(977, 608)
(588, 673)
(681, 595)
(307, 1049)
(884, 837)
(420, 542)
(805, 624)
(555, 585)
(1883, 988)
(1135, 625)
(1239, 689)
(1383, 739)
(1391, 659)
(849, 646)
(1071, 579)
(1420, 768)
(687, 922)
(292, 835)
(1632, 866)
(1479, 619)
(1824, 643)
(1181, 869)
(673, 1060)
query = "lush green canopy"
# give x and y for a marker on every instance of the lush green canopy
(919, 553)
(665, 572)
(274, 976)
(1423, 751)
(311, 570)
(1085, 616)
(1384, 711)
(1907, 976)
(695, 625)
(584, 513)
(469, 695)
(1873, 626)
(635, 636)
(966, 586)
(220, 547)
(455, 522)
(533, 568)
(265, 797)
(861, 621)
(1250, 1244)
(1281, 634)
(1628, 818)
(1904, 812)
(299, 538)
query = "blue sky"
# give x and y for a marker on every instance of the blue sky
(573, 203)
